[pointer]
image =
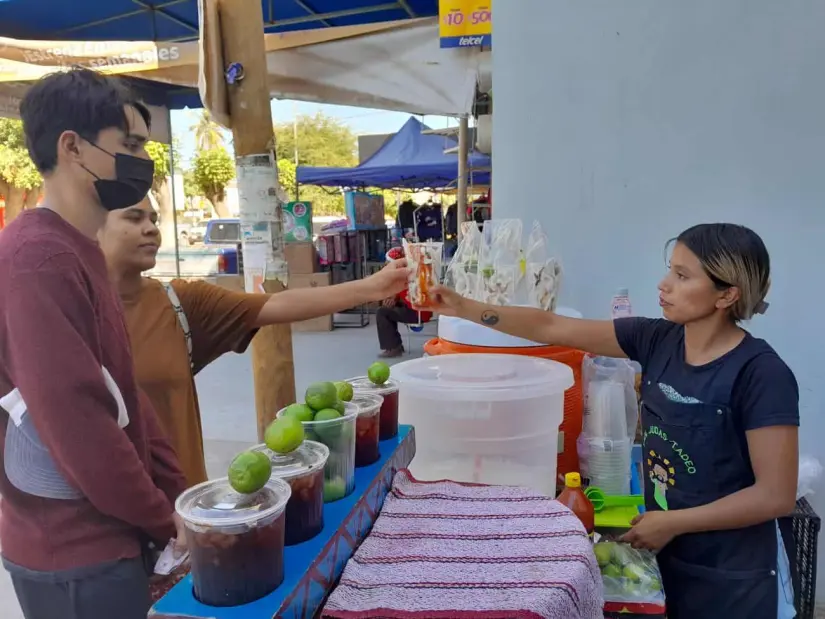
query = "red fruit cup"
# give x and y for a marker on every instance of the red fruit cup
(303, 470)
(367, 428)
(389, 409)
(236, 541)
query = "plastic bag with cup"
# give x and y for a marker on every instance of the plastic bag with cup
(609, 424)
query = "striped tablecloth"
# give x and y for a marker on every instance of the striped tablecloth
(458, 551)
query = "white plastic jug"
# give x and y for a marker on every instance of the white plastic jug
(484, 418)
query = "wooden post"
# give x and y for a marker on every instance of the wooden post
(261, 222)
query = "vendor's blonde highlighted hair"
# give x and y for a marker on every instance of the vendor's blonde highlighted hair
(733, 256)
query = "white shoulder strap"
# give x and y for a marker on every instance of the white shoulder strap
(184, 323)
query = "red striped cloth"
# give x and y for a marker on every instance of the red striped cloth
(447, 550)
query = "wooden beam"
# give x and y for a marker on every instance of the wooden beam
(249, 107)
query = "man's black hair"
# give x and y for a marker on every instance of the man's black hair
(78, 100)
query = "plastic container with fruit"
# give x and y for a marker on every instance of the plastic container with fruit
(378, 382)
(485, 418)
(326, 418)
(338, 434)
(303, 470)
(367, 428)
(236, 540)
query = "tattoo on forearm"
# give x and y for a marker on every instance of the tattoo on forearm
(489, 318)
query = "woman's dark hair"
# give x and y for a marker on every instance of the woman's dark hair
(78, 100)
(733, 256)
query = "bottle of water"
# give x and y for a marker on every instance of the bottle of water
(621, 307)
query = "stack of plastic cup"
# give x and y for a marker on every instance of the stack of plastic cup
(604, 446)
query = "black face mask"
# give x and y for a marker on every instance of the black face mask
(133, 180)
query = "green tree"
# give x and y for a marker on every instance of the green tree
(213, 169)
(161, 155)
(20, 182)
(208, 133)
(322, 141)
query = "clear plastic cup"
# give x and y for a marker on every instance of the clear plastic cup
(339, 435)
(367, 427)
(388, 428)
(236, 541)
(303, 470)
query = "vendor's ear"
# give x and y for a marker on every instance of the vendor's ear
(728, 297)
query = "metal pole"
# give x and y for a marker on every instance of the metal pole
(174, 204)
(463, 152)
(295, 146)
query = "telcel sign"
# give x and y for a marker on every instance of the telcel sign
(465, 23)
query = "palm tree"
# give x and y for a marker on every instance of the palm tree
(208, 134)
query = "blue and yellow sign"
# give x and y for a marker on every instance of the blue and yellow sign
(465, 23)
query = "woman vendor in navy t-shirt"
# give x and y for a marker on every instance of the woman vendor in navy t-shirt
(720, 415)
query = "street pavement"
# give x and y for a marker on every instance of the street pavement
(228, 403)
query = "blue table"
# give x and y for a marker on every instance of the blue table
(311, 569)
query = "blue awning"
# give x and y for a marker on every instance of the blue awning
(409, 159)
(167, 20)
(177, 20)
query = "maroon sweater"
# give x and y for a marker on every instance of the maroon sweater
(60, 321)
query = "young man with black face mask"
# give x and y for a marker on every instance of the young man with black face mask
(88, 476)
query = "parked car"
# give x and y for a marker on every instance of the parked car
(219, 254)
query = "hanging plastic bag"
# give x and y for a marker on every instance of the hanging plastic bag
(462, 272)
(810, 470)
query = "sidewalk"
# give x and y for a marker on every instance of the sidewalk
(228, 403)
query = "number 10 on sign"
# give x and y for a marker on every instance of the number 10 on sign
(465, 23)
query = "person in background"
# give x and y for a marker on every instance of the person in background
(720, 420)
(88, 475)
(179, 329)
(394, 310)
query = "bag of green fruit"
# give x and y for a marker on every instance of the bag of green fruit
(631, 578)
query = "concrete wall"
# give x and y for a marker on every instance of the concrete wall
(619, 124)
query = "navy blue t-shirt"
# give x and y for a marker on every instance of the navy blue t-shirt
(765, 393)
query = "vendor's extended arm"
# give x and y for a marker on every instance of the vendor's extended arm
(305, 303)
(594, 336)
(774, 458)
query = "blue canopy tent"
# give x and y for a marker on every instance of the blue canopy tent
(177, 20)
(410, 159)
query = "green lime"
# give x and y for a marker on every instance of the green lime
(634, 573)
(334, 489)
(301, 412)
(285, 434)
(321, 395)
(340, 407)
(611, 570)
(328, 433)
(249, 472)
(345, 391)
(379, 373)
(603, 553)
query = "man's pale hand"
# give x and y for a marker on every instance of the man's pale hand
(388, 302)
(389, 281)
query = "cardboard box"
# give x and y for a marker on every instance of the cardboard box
(301, 258)
(315, 280)
(365, 211)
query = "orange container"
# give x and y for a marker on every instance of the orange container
(571, 426)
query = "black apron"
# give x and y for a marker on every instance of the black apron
(695, 454)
